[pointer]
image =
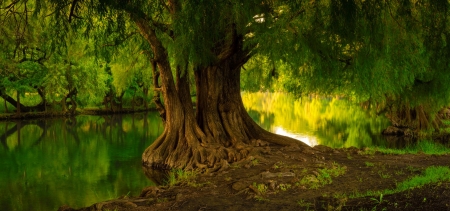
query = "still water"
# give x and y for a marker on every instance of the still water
(79, 161)
(332, 122)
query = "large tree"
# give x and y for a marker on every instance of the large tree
(374, 50)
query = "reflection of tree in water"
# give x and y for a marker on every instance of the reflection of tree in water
(93, 158)
(264, 119)
(339, 123)
(158, 177)
(18, 125)
(335, 122)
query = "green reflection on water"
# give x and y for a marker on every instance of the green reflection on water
(331, 122)
(83, 160)
(77, 162)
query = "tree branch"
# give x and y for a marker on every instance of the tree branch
(72, 9)
(120, 41)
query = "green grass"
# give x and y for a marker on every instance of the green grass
(446, 122)
(324, 176)
(384, 175)
(425, 146)
(432, 174)
(177, 176)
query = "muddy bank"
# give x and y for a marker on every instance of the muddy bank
(91, 111)
(289, 179)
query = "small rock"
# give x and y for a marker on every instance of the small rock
(250, 196)
(150, 192)
(272, 185)
(238, 186)
(259, 143)
(130, 204)
(268, 174)
(315, 173)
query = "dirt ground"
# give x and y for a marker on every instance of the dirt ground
(291, 179)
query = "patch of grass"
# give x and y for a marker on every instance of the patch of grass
(446, 122)
(433, 174)
(303, 203)
(399, 172)
(260, 198)
(235, 166)
(360, 179)
(162, 200)
(177, 176)
(424, 146)
(349, 156)
(285, 187)
(378, 201)
(369, 164)
(412, 169)
(324, 176)
(384, 175)
(255, 162)
(262, 188)
(278, 165)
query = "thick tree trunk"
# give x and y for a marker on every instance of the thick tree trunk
(415, 119)
(221, 131)
(18, 105)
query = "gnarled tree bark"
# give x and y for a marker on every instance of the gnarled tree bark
(220, 131)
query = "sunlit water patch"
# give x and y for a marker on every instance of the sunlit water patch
(309, 140)
(327, 121)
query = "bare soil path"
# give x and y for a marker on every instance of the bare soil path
(290, 179)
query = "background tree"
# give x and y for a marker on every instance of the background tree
(390, 54)
(22, 55)
(380, 51)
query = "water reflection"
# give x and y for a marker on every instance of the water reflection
(309, 140)
(331, 122)
(77, 161)
(83, 160)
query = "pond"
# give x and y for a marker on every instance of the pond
(77, 162)
(332, 122)
(83, 160)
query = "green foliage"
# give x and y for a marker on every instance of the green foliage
(393, 53)
(369, 164)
